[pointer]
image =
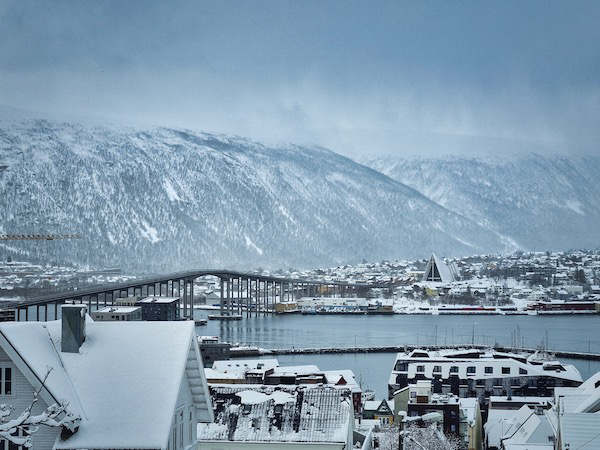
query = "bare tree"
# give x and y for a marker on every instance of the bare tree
(389, 437)
(19, 430)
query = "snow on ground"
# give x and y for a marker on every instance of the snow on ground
(149, 232)
(171, 192)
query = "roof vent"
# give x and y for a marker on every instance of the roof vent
(73, 327)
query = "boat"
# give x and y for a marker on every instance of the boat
(200, 322)
(224, 317)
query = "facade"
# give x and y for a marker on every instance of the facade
(212, 350)
(379, 410)
(461, 417)
(142, 381)
(481, 374)
(422, 401)
(118, 313)
(160, 308)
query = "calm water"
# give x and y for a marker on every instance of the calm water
(562, 332)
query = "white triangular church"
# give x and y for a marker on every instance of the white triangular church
(438, 271)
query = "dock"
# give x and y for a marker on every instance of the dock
(407, 348)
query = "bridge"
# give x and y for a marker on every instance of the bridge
(240, 292)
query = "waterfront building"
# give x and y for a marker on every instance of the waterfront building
(213, 350)
(133, 384)
(160, 308)
(117, 313)
(482, 373)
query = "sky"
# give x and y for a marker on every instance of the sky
(363, 78)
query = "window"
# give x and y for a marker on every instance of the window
(420, 369)
(506, 371)
(5, 381)
(471, 370)
(453, 369)
(480, 382)
(437, 369)
(178, 435)
(522, 371)
(489, 370)
(6, 445)
(191, 425)
(401, 366)
(497, 382)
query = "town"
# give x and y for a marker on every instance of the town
(521, 283)
(449, 397)
(176, 392)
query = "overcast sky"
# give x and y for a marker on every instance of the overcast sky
(361, 78)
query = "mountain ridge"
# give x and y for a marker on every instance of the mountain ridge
(166, 199)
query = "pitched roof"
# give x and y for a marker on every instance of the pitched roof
(580, 431)
(437, 270)
(124, 382)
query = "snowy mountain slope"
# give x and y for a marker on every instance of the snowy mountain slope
(539, 202)
(164, 199)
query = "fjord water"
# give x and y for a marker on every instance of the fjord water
(575, 333)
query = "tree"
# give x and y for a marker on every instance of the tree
(389, 438)
(19, 430)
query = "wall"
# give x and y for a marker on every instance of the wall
(22, 394)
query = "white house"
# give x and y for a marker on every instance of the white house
(134, 384)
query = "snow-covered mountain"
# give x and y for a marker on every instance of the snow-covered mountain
(166, 199)
(538, 202)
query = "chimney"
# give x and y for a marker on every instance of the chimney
(73, 327)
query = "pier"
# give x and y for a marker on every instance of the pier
(246, 351)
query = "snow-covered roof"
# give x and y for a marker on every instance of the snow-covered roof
(470, 406)
(119, 309)
(438, 270)
(159, 300)
(530, 427)
(294, 414)
(582, 399)
(307, 369)
(124, 382)
(243, 365)
(580, 431)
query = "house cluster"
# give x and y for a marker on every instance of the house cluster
(491, 400)
(537, 282)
